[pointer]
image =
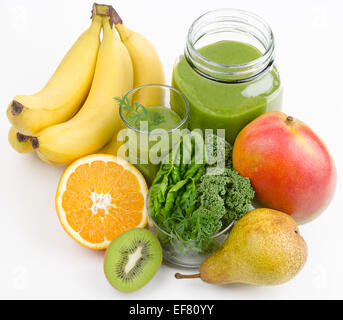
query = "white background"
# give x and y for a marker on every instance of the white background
(39, 260)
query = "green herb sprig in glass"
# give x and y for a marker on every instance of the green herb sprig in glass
(138, 113)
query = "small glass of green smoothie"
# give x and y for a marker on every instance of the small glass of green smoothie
(154, 116)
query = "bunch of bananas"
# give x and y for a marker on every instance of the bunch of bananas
(75, 114)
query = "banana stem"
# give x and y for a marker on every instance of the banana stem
(115, 17)
(187, 276)
(100, 10)
(106, 11)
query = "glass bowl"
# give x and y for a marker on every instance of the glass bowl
(185, 254)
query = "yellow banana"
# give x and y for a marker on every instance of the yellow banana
(95, 124)
(19, 142)
(65, 92)
(113, 147)
(146, 63)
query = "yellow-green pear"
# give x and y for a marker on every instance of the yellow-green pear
(264, 248)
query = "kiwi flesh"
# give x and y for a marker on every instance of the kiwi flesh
(132, 259)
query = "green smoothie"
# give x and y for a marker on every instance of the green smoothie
(158, 119)
(229, 106)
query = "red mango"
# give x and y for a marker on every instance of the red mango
(289, 166)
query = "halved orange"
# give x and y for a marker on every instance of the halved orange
(99, 197)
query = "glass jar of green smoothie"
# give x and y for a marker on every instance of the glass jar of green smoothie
(228, 72)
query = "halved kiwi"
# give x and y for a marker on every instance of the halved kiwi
(132, 259)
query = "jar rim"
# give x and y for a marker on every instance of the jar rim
(219, 71)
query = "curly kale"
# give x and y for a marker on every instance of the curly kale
(218, 148)
(230, 191)
(191, 204)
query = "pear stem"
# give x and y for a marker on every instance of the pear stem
(187, 276)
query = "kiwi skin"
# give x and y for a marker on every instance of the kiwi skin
(145, 268)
